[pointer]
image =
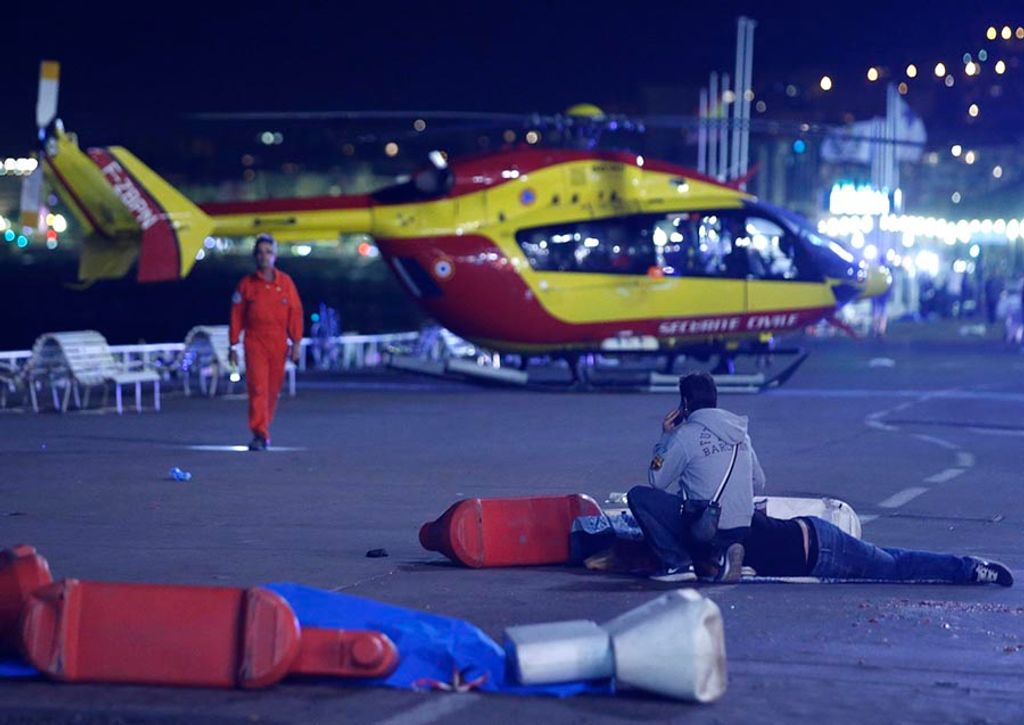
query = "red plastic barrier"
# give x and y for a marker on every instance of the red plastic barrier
(485, 532)
(22, 571)
(160, 634)
(341, 653)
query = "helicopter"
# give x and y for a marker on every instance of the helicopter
(526, 250)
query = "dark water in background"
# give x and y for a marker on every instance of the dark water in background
(35, 297)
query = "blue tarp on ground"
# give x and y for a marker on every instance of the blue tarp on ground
(432, 647)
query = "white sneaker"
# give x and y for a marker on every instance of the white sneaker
(675, 574)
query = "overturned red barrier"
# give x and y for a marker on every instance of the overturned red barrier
(159, 634)
(22, 571)
(485, 532)
(342, 653)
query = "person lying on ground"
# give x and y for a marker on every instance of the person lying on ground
(811, 547)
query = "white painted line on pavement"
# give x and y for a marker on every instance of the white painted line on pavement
(937, 441)
(942, 476)
(996, 432)
(879, 425)
(897, 500)
(964, 459)
(433, 710)
(241, 449)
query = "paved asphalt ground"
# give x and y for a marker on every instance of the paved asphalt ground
(927, 437)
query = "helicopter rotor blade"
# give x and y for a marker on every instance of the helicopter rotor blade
(49, 86)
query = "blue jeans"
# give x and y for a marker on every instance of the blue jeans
(841, 556)
(658, 513)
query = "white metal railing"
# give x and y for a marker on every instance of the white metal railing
(343, 352)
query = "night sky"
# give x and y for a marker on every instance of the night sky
(127, 67)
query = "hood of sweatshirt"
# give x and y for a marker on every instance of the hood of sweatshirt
(730, 427)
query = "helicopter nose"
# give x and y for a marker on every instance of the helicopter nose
(878, 280)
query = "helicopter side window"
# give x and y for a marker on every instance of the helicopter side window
(619, 245)
(721, 245)
(777, 253)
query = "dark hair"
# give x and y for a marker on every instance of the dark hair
(697, 390)
(264, 239)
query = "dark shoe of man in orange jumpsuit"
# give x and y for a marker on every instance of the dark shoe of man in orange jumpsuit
(267, 308)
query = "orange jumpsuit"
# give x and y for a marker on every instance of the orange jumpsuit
(270, 313)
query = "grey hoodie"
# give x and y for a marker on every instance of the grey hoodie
(695, 456)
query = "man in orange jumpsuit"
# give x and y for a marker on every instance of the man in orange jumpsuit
(266, 306)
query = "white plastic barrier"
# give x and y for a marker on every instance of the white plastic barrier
(673, 646)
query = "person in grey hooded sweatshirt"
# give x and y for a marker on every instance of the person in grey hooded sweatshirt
(690, 461)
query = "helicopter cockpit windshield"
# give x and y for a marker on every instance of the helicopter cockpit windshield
(728, 243)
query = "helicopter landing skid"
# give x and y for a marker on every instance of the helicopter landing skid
(587, 380)
(737, 383)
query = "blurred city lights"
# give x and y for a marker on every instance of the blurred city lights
(955, 198)
(825, 83)
(970, 157)
(872, 74)
(391, 148)
(975, 251)
(973, 110)
(1000, 67)
(927, 262)
(902, 88)
(18, 166)
(1007, 33)
(509, 136)
(997, 172)
(911, 71)
(871, 252)
(419, 124)
(532, 137)
(940, 70)
(366, 249)
(982, 55)
(1020, 33)
(971, 68)
(761, 106)
(302, 250)
(950, 81)
(991, 33)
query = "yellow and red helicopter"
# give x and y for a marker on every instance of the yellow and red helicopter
(526, 250)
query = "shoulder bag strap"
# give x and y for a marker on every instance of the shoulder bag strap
(732, 465)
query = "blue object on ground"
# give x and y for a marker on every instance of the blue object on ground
(16, 668)
(179, 475)
(431, 648)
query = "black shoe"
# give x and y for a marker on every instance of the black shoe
(258, 444)
(675, 574)
(991, 572)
